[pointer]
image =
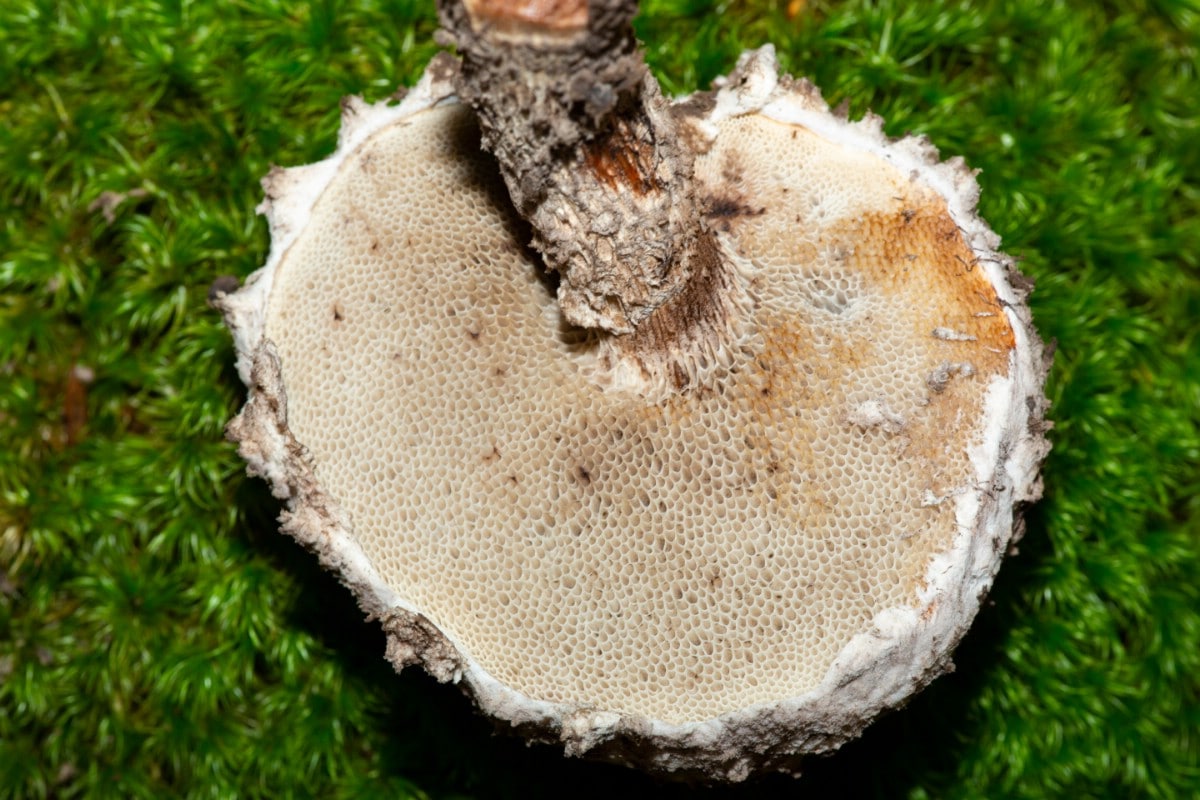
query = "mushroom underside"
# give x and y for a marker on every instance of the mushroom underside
(706, 581)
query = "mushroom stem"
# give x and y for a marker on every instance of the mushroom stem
(589, 150)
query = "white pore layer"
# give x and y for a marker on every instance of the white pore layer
(682, 655)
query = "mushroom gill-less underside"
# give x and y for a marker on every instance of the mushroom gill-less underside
(706, 576)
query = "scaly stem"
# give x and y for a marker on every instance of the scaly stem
(588, 147)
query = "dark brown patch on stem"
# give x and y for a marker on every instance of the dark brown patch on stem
(692, 309)
(620, 157)
(680, 343)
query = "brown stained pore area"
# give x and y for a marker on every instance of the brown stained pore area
(543, 16)
(918, 248)
(875, 310)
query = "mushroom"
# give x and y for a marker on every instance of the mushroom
(704, 529)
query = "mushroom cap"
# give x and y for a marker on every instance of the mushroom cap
(702, 583)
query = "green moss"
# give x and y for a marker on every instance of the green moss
(159, 638)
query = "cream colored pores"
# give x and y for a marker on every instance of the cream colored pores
(706, 581)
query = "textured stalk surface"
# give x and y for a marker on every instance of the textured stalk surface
(159, 638)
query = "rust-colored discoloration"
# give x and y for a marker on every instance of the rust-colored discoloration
(542, 16)
(918, 250)
(905, 270)
(915, 255)
(621, 159)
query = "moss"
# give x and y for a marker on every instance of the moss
(157, 636)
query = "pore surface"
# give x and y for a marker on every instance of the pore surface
(675, 560)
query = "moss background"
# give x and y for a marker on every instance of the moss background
(158, 638)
